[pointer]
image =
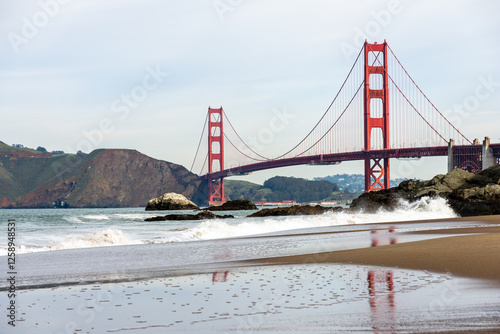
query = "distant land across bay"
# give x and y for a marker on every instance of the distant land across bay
(354, 183)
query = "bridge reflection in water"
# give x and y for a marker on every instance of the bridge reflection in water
(381, 288)
(318, 296)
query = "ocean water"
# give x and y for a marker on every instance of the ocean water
(40, 230)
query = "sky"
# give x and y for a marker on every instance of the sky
(81, 75)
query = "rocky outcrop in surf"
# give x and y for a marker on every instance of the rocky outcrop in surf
(295, 211)
(171, 201)
(468, 194)
(238, 204)
(200, 216)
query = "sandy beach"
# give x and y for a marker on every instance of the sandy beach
(475, 252)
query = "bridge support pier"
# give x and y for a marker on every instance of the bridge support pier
(377, 174)
(451, 164)
(488, 159)
(467, 157)
(216, 191)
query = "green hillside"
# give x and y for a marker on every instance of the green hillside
(354, 183)
(280, 188)
(8, 148)
(19, 177)
(102, 178)
(240, 189)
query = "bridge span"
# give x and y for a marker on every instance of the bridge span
(378, 114)
(469, 158)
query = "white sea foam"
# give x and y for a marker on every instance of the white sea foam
(73, 220)
(96, 217)
(108, 237)
(425, 208)
(132, 216)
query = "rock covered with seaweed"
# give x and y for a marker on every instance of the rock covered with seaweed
(468, 194)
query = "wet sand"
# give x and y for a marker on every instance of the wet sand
(476, 253)
(296, 298)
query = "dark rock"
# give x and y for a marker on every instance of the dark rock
(373, 201)
(238, 204)
(468, 194)
(476, 208)
(295, 211)
(200, 216)
(171, 201)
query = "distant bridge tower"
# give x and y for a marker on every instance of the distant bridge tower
(215, 155)
(377, 171)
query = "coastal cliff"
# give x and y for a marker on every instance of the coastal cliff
(102, 178)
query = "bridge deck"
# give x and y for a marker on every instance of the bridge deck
(414, 152)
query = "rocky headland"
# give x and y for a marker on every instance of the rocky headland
(468, 194)
(102, 178)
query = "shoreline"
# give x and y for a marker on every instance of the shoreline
(460, 246)
(473, 252)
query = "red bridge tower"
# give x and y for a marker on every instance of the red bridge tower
(215, 155)
(377, 175)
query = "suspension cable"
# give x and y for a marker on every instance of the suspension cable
(407, 100)
(237, 149)
(326, 112)
(338, 119)
(467, 139)
(199, 144)
(343, 112)
(204, 163)
(227, 118)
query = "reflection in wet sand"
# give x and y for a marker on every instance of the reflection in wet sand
(268, 299)
(382, 300)
(384, 237)
(381, 288)
(220, 277)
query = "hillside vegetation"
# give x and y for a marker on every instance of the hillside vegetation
(281, 188)
(4, 148)
(103, 178)
(354, 183)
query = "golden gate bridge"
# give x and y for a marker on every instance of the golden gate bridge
(379, 113)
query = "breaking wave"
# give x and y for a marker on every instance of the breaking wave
(138, 232)
(108, 237)
(423, 209)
